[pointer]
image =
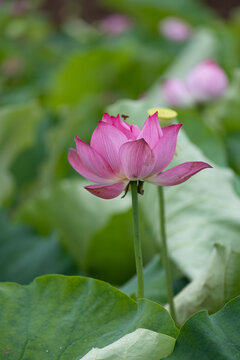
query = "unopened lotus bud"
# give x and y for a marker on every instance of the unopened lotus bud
(207, 81)
(175, 29)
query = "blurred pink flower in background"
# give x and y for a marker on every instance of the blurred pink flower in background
(207, 81)
(119, 153)
(115, 24)
(176, 93)
(175, 29)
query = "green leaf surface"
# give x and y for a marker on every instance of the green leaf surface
(130, 347)
(205, 337)
(218, 283)
(65, 317)
(25, 255)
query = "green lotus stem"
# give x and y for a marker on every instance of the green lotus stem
(164, 253)
(137, 241)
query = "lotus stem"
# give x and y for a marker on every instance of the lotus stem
(137, 240)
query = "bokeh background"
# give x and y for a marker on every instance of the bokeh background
(62, 64)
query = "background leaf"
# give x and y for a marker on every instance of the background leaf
(218, 283)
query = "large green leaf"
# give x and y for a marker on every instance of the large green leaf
(218, 283)
(130, 347)
(205, 337)
(25, 255)
(64, 317)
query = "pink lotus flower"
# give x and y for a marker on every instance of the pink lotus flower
(175, 29)
(207, 81)
(115, 24)
(120, 153)
(176, 93)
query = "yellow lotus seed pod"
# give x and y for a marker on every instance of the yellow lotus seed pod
(165, 114)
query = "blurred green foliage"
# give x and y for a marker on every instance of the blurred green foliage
(55, 83)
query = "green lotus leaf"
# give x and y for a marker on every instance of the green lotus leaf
(65, 317)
